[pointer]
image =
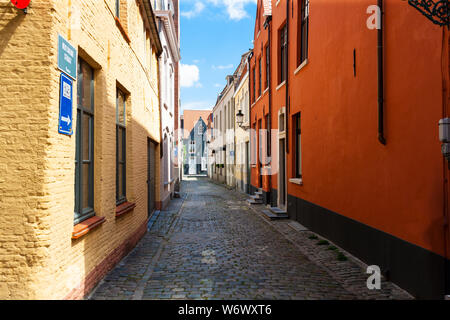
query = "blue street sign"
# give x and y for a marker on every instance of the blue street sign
(67, 58)
(65, 106)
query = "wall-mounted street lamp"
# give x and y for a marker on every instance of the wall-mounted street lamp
(438, 11)
(240, 120)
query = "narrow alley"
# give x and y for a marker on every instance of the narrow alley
(209, 244)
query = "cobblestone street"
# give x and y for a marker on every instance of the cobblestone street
(210, 244)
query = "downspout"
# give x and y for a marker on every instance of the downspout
(269, 125)
(381, 137)
(234, 135)
(250, 117)
(287, 80)
(445, 56)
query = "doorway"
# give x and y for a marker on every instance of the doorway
(282, 175)
(151, 151)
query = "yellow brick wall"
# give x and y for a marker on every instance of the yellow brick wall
(38, 258)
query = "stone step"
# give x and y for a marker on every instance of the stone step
(256, 197)
(274, 216)
(259, 193)
(253, 201)
(277, 210)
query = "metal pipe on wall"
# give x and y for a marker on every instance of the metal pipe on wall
(380, 51)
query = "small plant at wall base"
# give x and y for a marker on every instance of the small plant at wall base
(341, 257)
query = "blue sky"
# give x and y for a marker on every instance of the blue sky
(214, 35)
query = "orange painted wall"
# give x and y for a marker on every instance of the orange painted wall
(397, 188)
(259, 106)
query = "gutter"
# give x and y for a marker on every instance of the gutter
(152, 22)
(168, 22)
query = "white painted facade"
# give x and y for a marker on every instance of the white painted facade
(223, 141)
(168, 62)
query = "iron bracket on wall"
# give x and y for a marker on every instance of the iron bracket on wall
(438, 11)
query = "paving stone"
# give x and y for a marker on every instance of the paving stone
(208, 244)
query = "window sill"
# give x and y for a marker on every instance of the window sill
(86, 226)
(124, 208)
(300, 67)
(122, 30)
(298, 181)
(281, 84)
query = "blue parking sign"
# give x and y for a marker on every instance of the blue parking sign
(65, 106)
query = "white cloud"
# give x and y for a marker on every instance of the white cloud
(198, 8)
(189, 75)
(217, 85)
(228, 66)
(235, 9)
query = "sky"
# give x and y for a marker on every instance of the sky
(214, 36)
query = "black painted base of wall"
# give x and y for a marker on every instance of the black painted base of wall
(419, 271)
(274, 198)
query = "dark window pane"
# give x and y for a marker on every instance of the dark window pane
(120, 108)
(121, 164)
(267, 66)
(86, 135)
(80, 86)
(85, 185)
(121, 180)
(77, 161)
(86, 85)
(84, 181)
(260, 77)
(298, 155)
(120, 144)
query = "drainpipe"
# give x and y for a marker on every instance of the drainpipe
(287, 79)
(250, 116)
(446, 167)
(269, 125)
(381, 137)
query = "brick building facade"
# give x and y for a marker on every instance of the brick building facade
(46, 252)
(356, 155)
